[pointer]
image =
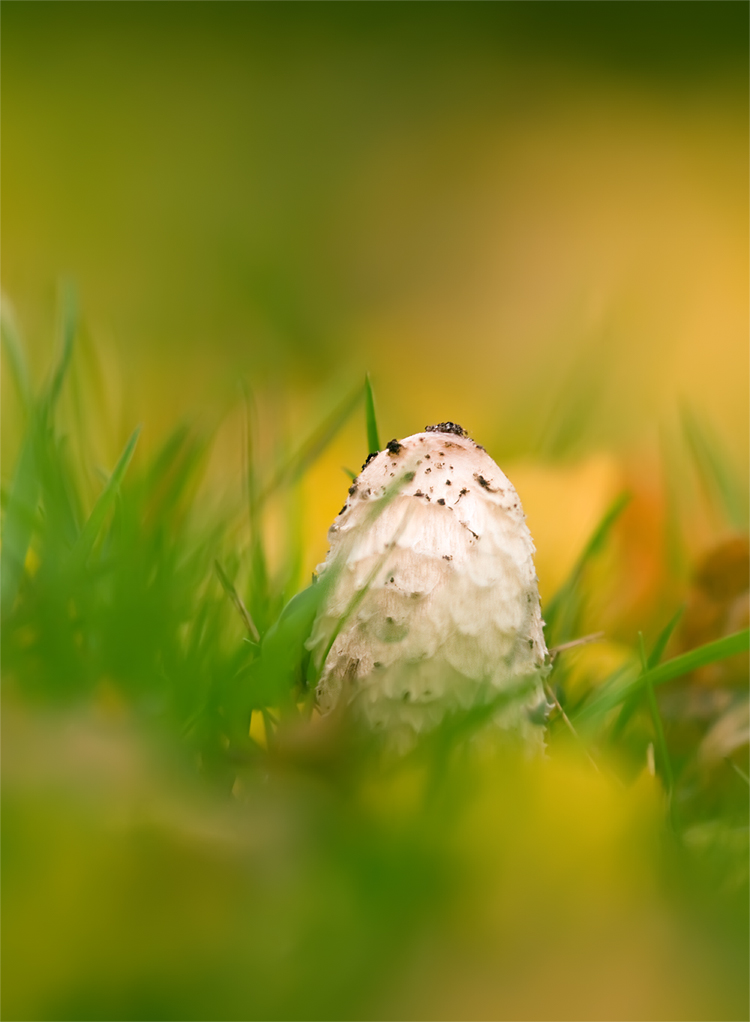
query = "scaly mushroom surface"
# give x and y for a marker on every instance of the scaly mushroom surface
(433, 601)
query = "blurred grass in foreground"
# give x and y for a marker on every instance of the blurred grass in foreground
(184, 838)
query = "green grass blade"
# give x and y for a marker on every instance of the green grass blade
(174, 474)
(720, 483)
(13, 348)
(251, 481)
(284, 653)
(236, 599)
(574, 407)
(661, 742)
(90, 530)
(630, 705)
(18, 523)
(373, 440)
(561, 611)
(68, 326)
(314, 446)
(710, 653)
(740, 773)
(259, 582)
(663, 638)
(25, 489)
(673, 482)
(167, 456)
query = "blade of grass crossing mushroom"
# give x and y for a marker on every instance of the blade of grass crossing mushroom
(89, 532)
(361, 593)
(661, 742)
(710, 653)
(377, 509)
(373, 439)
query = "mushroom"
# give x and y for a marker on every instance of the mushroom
(432, 601)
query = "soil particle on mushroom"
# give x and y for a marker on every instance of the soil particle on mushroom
(447, 427)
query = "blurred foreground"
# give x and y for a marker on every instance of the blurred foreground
(326, 886)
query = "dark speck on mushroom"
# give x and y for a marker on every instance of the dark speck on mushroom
(393, 446)
(441, 501)
(370, 456)
(446, 427)
(352, 489)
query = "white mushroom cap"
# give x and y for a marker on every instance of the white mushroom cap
(434, 601)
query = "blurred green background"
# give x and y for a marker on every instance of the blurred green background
(529, 218)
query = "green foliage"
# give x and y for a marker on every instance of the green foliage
(563, 613)
(718, 480)
(373, 439)
(614, 692)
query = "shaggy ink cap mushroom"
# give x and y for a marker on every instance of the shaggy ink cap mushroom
(435, 585)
